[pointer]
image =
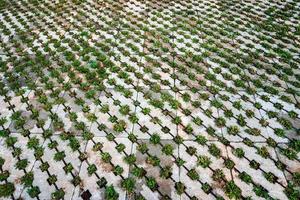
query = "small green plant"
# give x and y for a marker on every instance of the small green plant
(138, 172)
(120, 147)
(232, 190)
(245, 177)
(27, 179)
(214, 150)
(59, 156)
(189, 129)
(239, 152)
(33, 192)
(68, 168)
(292, 192)
(229, 163)
(263, 151)
(153, 160)
(143, 148)
(6, 189)
(128, 184)
(201, 139)
(203, 161)
(22, 164)
(241, 120)
(118, 170)
(106, 157)
(191, 150)
(130, 159)
(296, 178)
(120, 126)
(206, 188)
(151, 183)
(91, 169)
(168, 149)
(52, 179)
(166, 172)
(270, 177)
(124, 110)
(253, 164)
(261, 191)
(180, 188)
(218, 175)
(155, 139)
(220, 122)
(193, 174)
(4, 175)
(233, 130)
(110, 193)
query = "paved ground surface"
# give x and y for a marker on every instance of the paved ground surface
(148, 99)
